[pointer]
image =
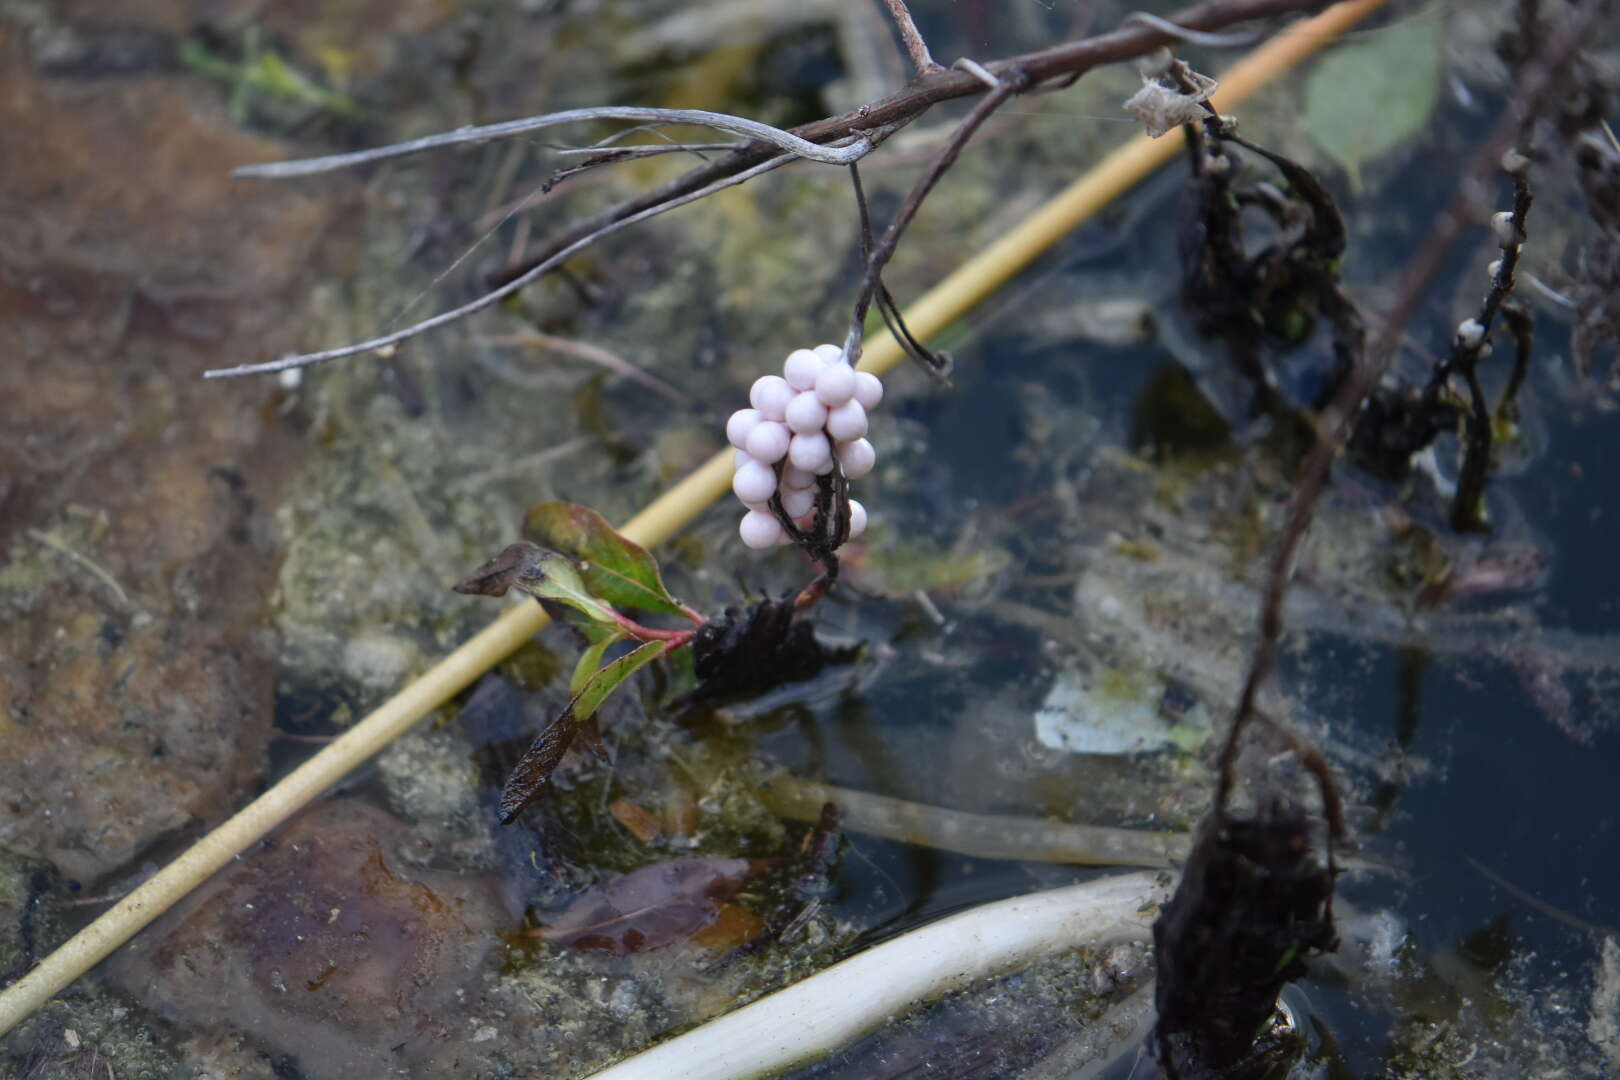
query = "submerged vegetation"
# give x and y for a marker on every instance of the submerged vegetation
(1121, 593)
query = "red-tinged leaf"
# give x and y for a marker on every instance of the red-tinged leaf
(654, 906)
(619, 571)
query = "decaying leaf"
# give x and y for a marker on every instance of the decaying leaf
(642, 824)
(615, 569)
(539, 761)
(544, 575)
(654, 906)
(1366, 98)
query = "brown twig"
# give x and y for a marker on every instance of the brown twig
(836, 140)
(1335, 420)
(916, 47)
(1005, 87)
(900, 108)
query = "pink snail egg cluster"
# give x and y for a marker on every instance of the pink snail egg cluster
(798, 421)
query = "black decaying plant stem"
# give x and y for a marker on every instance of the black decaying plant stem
(1250, 887)
(1468, 505)
(1253, 903)
(1336, 418)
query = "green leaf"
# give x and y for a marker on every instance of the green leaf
(1366, 98)
(604, 682)
(589, 661)
(618, 570)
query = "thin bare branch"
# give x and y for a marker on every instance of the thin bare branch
(859, 132)
(621, 153)
(916, 47)
(737, 125)
(495, 295)
(1070, 59)
(1008, 84)
(1196, 37)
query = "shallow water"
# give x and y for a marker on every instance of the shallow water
(275, 560)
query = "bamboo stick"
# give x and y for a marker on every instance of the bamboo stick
(661, 519)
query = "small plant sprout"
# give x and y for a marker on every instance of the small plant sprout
(798, 445)
(584, 573)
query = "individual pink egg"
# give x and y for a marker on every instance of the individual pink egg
(868, 390)
(857, 519)
(768, 441)
(759, 529)
(797, 501)
(835, 385)
(798, 478)
(857, 458)
(754, 482)
(812, 452)
(806, 413)
(801, 369)
(741, 423)
(770, 394)
(846, 422)
(831, 354)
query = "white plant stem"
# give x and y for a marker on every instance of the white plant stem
(834, 1007)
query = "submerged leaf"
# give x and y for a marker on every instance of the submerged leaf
(618, 570)
(654, 906)
(1367, 97)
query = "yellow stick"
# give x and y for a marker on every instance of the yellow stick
(661, 519)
